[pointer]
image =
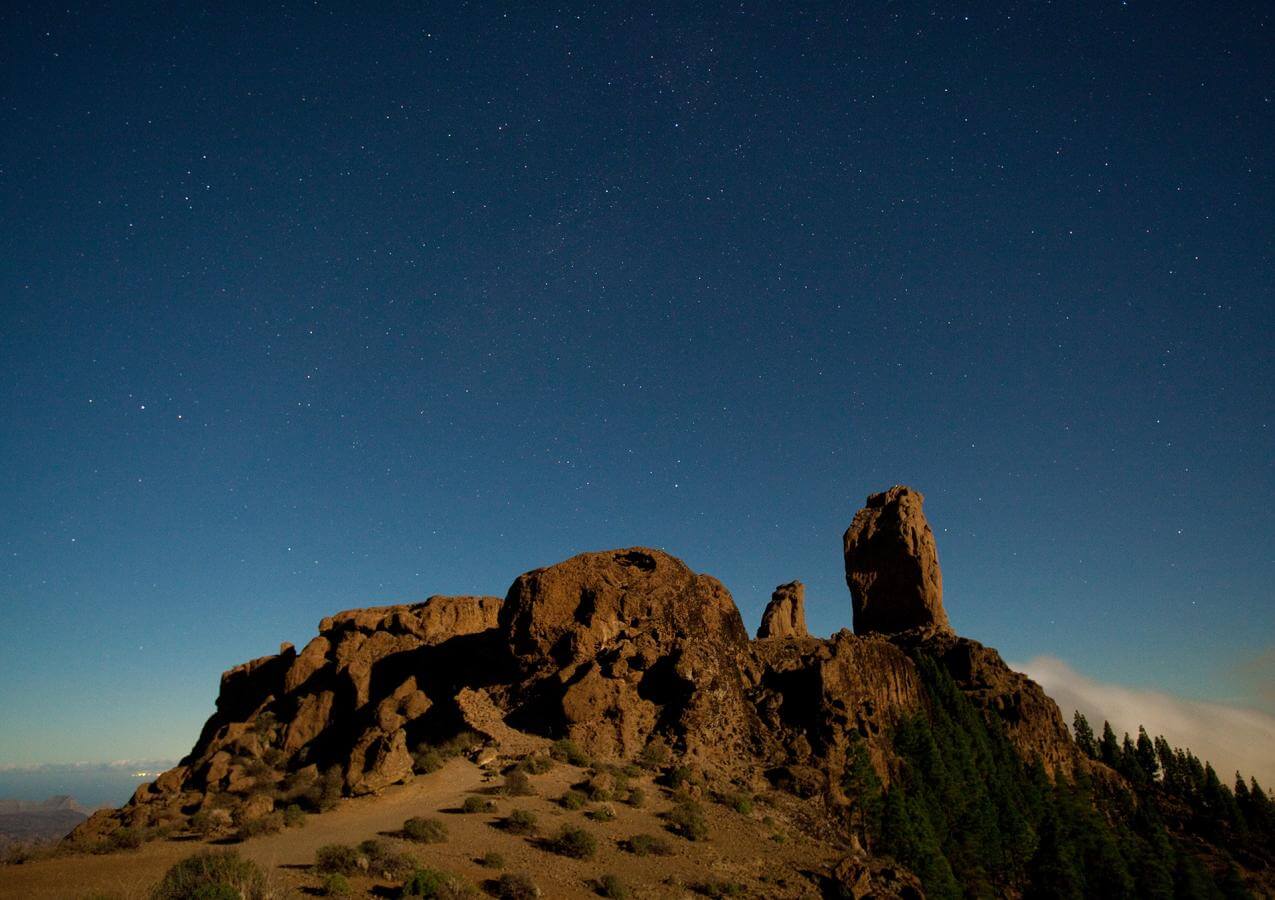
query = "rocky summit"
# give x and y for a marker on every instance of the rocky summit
(892, 566)
(785, 614)
(618, 651)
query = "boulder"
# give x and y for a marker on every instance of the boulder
(615, 645)
(892, 566)
(785, 614)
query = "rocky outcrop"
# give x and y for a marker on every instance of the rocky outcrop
(612, 650)
(859, 877)
(785, 614)
(892, 566)
(352, 704)
(614, 646)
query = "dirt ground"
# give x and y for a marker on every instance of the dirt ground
(757, 851)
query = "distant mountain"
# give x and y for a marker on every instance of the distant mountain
(29, 820)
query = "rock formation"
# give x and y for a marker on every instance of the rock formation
(614, 645)
(612, 650)
(892, 566)
(785, 614)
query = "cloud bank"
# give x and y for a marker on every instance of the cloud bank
(1230, 737)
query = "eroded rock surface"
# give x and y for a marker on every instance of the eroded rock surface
(785, 614)
(892, 566)
(613, 646)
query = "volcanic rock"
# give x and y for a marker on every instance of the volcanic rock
(616, 645)
(892, 566)
(785, 614)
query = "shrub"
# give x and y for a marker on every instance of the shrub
(272, 823)
(324, 792)
(517, 784)
(572, 799)
(655, 755)
(636, 797)
(687, 820)
(741, 803)
(336, 886)
(461, 742)
(599, 787)
(648, 845)
(125, 839)
(293, 816)
(569, 752)
(476, 804)
(520, 821)
(719, 888)
(381, 857)
(611, 886)
(428, 760)
(341, 859)
(604, 813)
(516, 886)
(204, 823)
(682, 777)
(213, 874)
(492, 860)
(574, 842)
(425, 831)
(536, 764)
(434, 885)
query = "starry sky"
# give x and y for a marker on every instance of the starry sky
(309, 306)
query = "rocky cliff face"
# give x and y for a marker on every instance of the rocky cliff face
(610, 649)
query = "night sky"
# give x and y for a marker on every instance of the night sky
(310, 307)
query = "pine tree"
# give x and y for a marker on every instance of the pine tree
(1084, 735)
(862, 787)
(1146, 754)
(1109, 749)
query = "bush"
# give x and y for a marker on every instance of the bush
(336, 886)
(125, 839)
(492, 860)
(569, 752)
(204, 823)
(573, 800)
(476, 804)
(656, 755)
(611, 886)
(574, 842)
(425, 831)
(434, 885)
(599, 787)
(636, 797)
(293, 816)
(520, 821)
(212, 875)
(428, 760)
(517, 784)
(683, 777)
(461, 742)
(719, 888)
(687, 819)
(741, 803)
(516, 886)
(324, 792)
(536, 764)
(604, 813)
(381, 857)
(271, 823)
(648, 845)
(341, 859)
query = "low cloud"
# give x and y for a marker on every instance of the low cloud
(1230, 737)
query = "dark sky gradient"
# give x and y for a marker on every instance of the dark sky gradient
(307, 308)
